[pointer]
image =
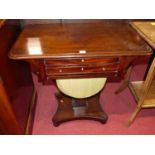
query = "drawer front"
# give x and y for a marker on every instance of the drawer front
(81, 70)
(81, 61)
(82, 67)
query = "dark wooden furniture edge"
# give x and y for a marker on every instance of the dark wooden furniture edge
(8, 123)
(31, 113)
(141, 34)
(78, 109)
(147, 40)
(11, 27)
(2, 21)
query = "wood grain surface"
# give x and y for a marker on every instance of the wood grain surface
(107, 38)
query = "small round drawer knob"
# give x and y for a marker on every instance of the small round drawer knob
(103, 69)
(61, 101)
(82, 60)
(82, 69)
(60, 70)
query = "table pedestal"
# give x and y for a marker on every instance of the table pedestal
(73, 109)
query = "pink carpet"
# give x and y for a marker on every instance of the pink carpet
(118, 107)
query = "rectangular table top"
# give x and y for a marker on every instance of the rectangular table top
(106, 38)
(146, 29)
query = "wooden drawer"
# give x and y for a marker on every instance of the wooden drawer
(82, 75)
(81, 69)
(81, 61)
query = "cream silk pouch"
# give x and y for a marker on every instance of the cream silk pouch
(81, 88)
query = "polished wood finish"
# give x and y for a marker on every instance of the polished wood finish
(81, 47)
(137, 89)
(106, 48)
(126, 80)
(73, 109)
(144, 91)
(8, 33)
(17, 82)
(56, 68)
(78, 40)
(30, 118)
(8, 121)
(2, 21)
(146, 29)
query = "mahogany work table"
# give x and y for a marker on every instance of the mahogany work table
(80, 50)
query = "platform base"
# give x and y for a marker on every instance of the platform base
(75, 109)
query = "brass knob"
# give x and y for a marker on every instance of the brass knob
(103, 69)
(82, 68)
(61, 101)
(82, 60)
(60, 70)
